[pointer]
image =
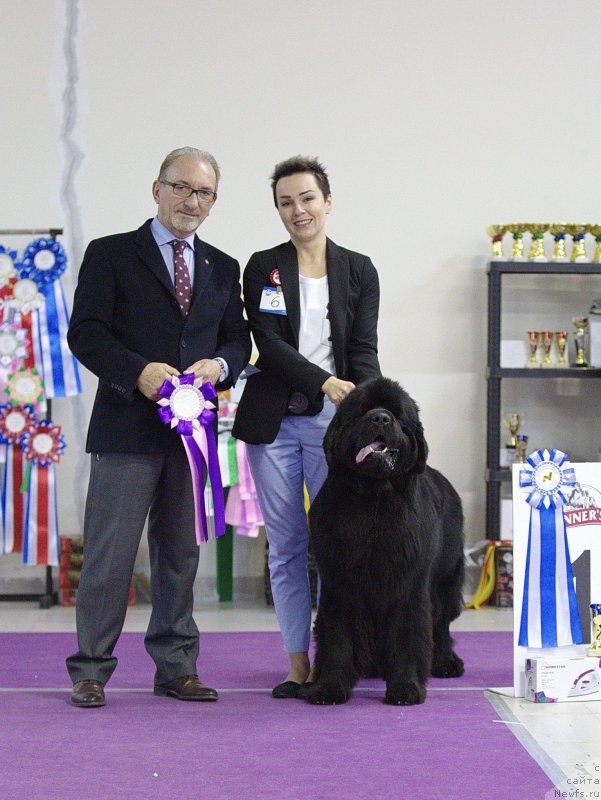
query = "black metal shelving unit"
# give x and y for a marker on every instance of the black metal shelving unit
(48, 596)
(495, 476)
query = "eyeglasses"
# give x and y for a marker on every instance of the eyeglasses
(181, 190)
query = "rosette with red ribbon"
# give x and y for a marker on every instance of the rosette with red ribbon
(186, 405)
(42, 445)
(550, 615)
(14, 423)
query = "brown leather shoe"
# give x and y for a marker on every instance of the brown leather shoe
(88, 694)
(187, 687)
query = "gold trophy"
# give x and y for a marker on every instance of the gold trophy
(547, 339)
(496, 233)
(517, 230)
(580, 335)
(537, 247)
(577, 233)
(559, 248)
(513, 420)
(595, 648)
(561, 337)
(522, 446)
(534, 338)
(595, 230)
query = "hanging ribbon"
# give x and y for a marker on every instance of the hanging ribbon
(14, 422)
(44, 261)
(242, 510)
(42, 445)
(550, 615)
(186, 405)
(8, 272)
(13, 353)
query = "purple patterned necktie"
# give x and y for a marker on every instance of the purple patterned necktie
(181, 279)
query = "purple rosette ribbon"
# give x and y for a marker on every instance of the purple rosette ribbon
(186, 406)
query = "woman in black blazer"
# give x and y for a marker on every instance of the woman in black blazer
(313, 311)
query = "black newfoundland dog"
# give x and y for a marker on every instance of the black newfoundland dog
(387, 536)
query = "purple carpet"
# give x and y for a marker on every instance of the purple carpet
(249, 746)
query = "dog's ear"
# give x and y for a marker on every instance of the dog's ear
(422, 449)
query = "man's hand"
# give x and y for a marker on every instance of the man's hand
(207, 368)
(337, 389)
(152, 378)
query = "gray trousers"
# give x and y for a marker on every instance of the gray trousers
(125, 489)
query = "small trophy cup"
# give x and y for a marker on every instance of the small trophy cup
(496, 233)
(595, 230)
(522, 447)
(517, 230)
(513, 420)
(561, 337)
(559, 247)
(537, 247)
(595, 648)
(578, 250)
(534, 338)
(547, 338)
(508, 454)
(581, 325)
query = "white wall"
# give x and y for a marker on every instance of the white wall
(435, 119)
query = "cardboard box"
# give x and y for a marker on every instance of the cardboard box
(558, 680)
(595, 340)
(514, 353)
(502, 596)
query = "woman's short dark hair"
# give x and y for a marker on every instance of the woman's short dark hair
(296, 164)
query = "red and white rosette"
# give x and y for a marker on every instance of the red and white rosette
(14, 423)
(42, 445)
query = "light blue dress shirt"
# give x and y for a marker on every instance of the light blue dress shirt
(163, 237)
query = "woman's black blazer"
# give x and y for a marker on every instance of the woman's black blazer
(354, 298)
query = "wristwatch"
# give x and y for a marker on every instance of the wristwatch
(223, 370)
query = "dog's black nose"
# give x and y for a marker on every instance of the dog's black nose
(381, 417)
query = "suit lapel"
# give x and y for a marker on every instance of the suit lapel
(338, 280)
(287, 263)
(203, 270)
(149, 253)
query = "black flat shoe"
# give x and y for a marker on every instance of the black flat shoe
(303, 690)
(286, 691)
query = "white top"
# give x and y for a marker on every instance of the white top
(314, 341)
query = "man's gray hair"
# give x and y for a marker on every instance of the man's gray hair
(201, 155)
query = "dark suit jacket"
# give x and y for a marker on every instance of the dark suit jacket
(125, 315)
(354, 298)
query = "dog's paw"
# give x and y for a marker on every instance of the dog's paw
(326, 694)
(452, 667)
(405, 694)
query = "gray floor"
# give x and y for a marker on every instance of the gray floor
(565, 738)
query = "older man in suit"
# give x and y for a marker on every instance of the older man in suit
(149, 304)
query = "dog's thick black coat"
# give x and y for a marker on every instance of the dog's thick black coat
(387, 536)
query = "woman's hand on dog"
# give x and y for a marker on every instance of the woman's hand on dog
(337, 389)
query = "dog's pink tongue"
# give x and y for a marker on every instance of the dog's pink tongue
(369, 448)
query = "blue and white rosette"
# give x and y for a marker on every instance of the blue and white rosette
(43, 262)
(550, 615)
